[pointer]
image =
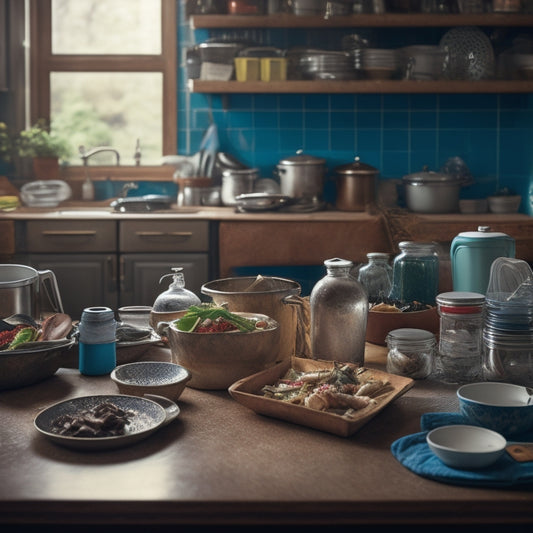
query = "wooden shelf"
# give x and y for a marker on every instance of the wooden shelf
(361, 86)
(386, 20)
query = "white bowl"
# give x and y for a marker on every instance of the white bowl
(504, 204)
(466, 447)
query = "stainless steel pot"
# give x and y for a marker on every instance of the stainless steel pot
(356, 186)
(236, 182)
(432, 192)
(302, 177)
(21, 289)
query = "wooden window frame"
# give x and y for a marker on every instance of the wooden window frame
(43, 62)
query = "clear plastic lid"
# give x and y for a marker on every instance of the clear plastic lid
(511, 280)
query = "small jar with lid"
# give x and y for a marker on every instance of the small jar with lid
(415, 273)
(411, 352)
(376, 276)
(339, 313)
(460, 336)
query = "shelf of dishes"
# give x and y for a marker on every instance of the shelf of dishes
(361, 20)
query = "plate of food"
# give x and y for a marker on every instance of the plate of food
(104, 422)
(335, 397)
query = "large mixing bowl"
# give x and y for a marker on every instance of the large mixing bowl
(266, 295)
(217, 360)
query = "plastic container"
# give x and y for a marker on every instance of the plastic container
(247, 68)
(415, 273)
(273, 69)
(460, 351)
(97, 341)
(411, 352)
(339, 313)
(376, 276)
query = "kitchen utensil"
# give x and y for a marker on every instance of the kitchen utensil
(302, 177)
(423, 62)
(216, 360)
(502, 407)
(236, 182)
(462, 446)
(270, 297)
(261, 201)
(356, 186)
(45, 193)
(472, 254)
(22, 288)
(504, 203)
(142, 204)
(148, 415)
(151, 377)
(432, 192)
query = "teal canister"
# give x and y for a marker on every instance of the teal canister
(472, 254)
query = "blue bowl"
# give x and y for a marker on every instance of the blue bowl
(501, 407)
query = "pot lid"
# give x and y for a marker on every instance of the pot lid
(356, 169)
(429, 176)
(302, 159)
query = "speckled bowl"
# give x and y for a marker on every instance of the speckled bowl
(501, 407)
(151, 377)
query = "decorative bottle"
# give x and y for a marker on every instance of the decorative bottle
(376, 276)
(176, 297)
(339, 312)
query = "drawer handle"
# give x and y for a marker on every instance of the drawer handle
(183, 234)
(75, 233)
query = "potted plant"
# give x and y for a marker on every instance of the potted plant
(44, 147)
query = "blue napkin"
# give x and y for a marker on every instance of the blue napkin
(413, 452)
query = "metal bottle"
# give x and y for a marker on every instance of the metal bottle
(339, 312)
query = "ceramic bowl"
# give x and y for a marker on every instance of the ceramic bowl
(466, 447)
(151, 377)
(217, 360)
(379, 324)
(504, 204)
(501, 407)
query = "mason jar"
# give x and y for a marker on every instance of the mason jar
(411, 352)
(376, 276)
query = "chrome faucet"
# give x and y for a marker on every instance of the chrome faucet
(85, 155)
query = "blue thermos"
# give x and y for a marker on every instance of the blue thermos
(472, 254)
(97, 341)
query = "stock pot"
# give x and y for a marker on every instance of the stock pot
(356, 186)
(302, 176)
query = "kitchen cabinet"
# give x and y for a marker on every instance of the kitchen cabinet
(384, 21)
(114, 263)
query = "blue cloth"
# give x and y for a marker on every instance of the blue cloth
(413, 452)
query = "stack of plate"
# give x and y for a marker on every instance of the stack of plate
(326, 65)
(378, 63)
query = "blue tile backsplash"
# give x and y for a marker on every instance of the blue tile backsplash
(397, 133)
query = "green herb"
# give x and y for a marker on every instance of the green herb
(198, 313)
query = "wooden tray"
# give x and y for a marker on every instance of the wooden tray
(247, 392)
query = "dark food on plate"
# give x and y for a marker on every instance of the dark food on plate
(103, 420)
(343, 389)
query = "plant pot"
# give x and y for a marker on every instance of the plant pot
(46, 168)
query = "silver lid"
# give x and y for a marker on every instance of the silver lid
(459, 298)
(302, 159)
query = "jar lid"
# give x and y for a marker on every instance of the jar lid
(302, 159)
(337, 262)
(377, 255)
(410, 335)
(356, 169)
(417, 246)
(458, 298)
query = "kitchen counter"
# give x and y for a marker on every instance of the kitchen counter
(221, 464)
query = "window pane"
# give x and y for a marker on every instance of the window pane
(106, 27)
(109, 109)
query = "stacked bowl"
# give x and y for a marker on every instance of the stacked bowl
(378, 63)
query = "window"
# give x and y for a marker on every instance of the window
(104, 73)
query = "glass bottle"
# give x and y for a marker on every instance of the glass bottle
(339, 312)
(376, 276)
(415, 273)
(176, 297)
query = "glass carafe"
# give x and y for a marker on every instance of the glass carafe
(339, 312)
(176, 297)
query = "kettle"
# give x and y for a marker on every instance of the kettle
(472, 254)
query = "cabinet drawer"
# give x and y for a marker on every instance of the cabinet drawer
(71, 236)
(164, 236)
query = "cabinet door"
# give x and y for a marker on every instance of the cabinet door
(140, 275)
(84, 280)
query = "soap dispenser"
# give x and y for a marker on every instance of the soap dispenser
(176, 297)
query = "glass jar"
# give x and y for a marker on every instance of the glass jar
(411, 352)
(176, 297)
(415, 273)
(376, 276)
(460, 336)
(339, 312)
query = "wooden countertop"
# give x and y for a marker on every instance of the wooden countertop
(221, 464)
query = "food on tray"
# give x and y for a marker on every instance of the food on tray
(342, 389)
(211, 318)
(103, 420)
(389, 305)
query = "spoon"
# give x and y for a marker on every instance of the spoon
(55, 327)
